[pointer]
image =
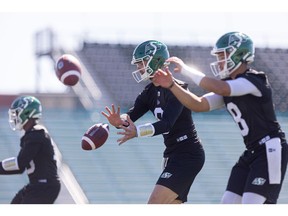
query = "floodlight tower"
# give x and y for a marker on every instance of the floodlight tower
(44, 47)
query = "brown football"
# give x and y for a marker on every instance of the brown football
(95, 136)
(68, 69)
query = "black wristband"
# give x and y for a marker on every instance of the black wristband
(172, 84)
(128, 124)
(124, 125)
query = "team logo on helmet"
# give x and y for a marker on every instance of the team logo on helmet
(236, 39)
(151, 48)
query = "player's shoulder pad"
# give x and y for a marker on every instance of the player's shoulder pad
(36, 132)
(253, 74)
(251, 71)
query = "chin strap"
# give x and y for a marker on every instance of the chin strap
(10, 164)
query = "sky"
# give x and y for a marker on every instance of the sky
(125, 21)
(172, 22)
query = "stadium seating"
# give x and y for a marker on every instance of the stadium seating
(109, 65)
(126, 174)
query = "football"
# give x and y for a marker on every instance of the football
(68, 69)
(95, 136)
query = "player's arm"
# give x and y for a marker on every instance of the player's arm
(149, 129)
(17, 165)
(168, 119)
(210, 84)
(114, 117)
(242, 86)
(235, 87)
(10, 166)
(187, 98)
(128, 132)
(33, 143)
(190, 100)
(131, 131)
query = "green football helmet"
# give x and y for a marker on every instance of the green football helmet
(22, 109)
(237, 47)
(153, 55)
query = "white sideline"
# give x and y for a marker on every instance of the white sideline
(69, 180)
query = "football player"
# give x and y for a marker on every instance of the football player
(36, 154)
(258, 175)
(184, 155)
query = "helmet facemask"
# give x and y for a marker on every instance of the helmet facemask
(223, 67)
(145, 72)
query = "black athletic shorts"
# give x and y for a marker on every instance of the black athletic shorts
(40, 193)
(251, 174)
(180, 171)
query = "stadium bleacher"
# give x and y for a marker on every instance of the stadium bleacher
(114, 72)
(126, 174)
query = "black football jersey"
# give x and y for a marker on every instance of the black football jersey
(175, 121)
(255, 116)
(37, 156)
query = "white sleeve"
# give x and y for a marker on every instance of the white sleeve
(195, 75)
(10, 164)
(215, 101)
(145, 130)
(243, 86)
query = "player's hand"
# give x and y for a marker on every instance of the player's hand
(178, 63)
(113, 116)
(128, 132)
(163, 78)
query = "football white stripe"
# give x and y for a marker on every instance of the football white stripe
(69, 73)
(89, 141)
(106, 128)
